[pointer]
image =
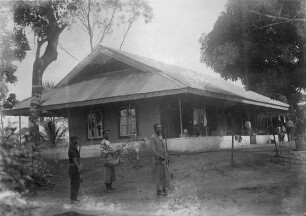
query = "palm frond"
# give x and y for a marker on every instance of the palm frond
(53, 134)
(47, 85)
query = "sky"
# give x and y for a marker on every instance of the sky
(172, 37)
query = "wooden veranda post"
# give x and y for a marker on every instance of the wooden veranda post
(205, 117)
(232, 152)
(20, 129)
(90, 126)
(166, 142)
(181, 121)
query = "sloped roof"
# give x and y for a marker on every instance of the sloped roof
(201, 81)
(109, 75)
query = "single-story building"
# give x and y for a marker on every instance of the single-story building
(128, 94)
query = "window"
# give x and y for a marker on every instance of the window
(94, 124)
(127, 121)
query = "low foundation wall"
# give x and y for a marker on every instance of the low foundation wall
(178, 145)
(199, 144)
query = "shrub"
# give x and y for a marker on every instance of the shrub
(21, 167)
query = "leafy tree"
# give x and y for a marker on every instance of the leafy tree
(47, 19)
(136, 9)
(99, 17)
(262, 43)
(10, 101)
(11, 51)
(96, 18)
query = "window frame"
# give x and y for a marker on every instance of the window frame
(126, 107)
(87, 124)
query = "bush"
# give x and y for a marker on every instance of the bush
(15, 161)
(15, 171)
(21, 167)
(41, 175)
(21, 171)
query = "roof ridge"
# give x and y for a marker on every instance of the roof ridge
(101, 49)
(161, 73)
(172, 65)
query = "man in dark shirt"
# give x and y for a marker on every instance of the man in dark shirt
(75, 168)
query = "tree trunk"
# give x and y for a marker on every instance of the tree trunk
(90, 40)
(245, 51)
(35, 103)
(39, 67)
(125, 34)
(128, 29)
(90, 30)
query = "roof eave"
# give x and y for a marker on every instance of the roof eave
(16, 112)
(236, 99)
(25, 111)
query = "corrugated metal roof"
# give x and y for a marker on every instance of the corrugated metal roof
(142, 77)
(198, 80)
(107, 85)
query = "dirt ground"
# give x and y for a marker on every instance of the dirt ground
(203, 184)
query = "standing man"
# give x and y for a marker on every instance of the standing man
(160, 158)
(289, 126)
(109, 161)
(75, 168)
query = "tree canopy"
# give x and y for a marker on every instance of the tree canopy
(13, 47)
(263, 44)
(99, 17)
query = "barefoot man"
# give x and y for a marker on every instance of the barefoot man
(160, 157)
(109, 161)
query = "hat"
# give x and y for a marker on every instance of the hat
(105, 131)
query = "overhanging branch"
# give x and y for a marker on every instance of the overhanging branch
(276, 17)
